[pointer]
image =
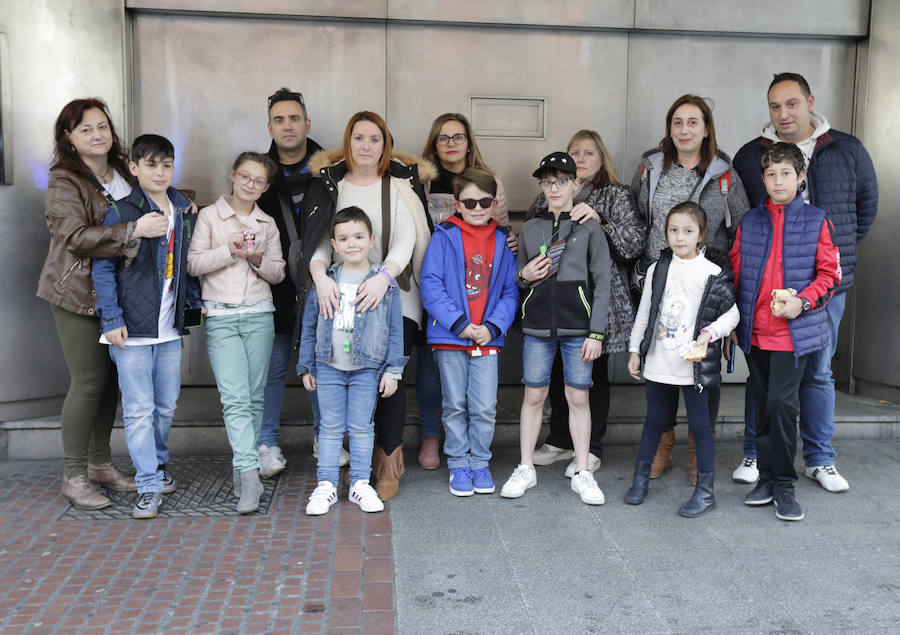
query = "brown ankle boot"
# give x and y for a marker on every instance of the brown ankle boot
(663, 459)
(387, 469)
(111, 476)
(429, 453)
(82, 493)
(692, 477)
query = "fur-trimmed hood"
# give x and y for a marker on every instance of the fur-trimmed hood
(332, 156)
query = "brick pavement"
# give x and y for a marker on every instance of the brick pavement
(282, 572)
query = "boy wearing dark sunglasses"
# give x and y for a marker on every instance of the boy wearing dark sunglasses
(564, 275)
(468, 289)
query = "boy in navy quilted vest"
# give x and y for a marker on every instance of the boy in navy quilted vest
(786, 268)
(142, 304)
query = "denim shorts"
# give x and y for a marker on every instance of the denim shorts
(537, 361)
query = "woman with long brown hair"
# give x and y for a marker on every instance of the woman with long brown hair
(89, 172)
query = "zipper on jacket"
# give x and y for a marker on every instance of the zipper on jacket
(587, 306)
(69, 271)
(527, 297)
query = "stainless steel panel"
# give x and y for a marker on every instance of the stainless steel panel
(844, 18)
(363, 9)
(877, 287)
(574, 13)
(735, 74)
(57, 53)
(582, 75)
(203, 82)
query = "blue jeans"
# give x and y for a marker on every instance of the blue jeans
(662, 405)
(537, 361)
(150, 381)
(469, 387)
(816, 398)
(428, 392)
(239, 348)
(270, 433)
(347, 402)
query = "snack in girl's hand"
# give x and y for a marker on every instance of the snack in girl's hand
(249, 237)
(778, 298)
(694, 353)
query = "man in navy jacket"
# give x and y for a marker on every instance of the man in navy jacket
(840, 179)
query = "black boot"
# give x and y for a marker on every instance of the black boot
(638, 490)
(703, 498)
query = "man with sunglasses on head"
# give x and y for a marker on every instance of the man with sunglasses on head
(290, 150)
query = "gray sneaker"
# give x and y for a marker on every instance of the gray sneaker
(168, 482)
(146, 505)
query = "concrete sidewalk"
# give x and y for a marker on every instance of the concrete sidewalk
(434, 563)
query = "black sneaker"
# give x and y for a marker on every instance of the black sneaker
(146, 505)
(762, 494)
(787, 507)
(168, 482)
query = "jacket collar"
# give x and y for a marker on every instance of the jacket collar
(140, 200)
(225, 211)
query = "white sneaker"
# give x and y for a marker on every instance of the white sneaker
(344, 459)
(364, 495)
(269, 463)
(321, 500)
(593, 465)
(523, 477)
(828, 478)
(585, 486)
(276, 452)
(746, 472)
(547, 454)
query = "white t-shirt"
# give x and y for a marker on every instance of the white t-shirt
(118, 187)
(166, 325)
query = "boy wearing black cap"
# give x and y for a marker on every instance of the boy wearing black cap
(563, 272)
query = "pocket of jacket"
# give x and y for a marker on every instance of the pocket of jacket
(62, 281)
(572, 309)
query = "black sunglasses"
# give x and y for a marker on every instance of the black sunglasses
(470, 203)
(283, 95)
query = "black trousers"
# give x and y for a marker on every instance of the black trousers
(390, 413)
(598, 398)
(776, 385)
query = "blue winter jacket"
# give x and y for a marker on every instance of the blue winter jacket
(802, 225)
(130, 294)
(841, 181)
(442, 287)
(377, 334)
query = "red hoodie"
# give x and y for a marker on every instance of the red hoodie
(771, 333)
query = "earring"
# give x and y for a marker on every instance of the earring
(72, 147)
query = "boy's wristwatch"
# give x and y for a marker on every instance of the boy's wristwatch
(806, 304)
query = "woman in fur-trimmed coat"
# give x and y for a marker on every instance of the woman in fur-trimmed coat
(355, 175)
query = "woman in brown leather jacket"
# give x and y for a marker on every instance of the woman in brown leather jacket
(89, 171)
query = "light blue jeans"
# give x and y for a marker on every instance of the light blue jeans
(537, 361)
(469, 388)
(150, 381)
(816, 398)
(347, 401)
(270, 432)
(239, 348)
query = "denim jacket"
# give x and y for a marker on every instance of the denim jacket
(377, 334)
(130, 293)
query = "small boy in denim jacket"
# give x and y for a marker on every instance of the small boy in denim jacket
(468, 286)
(142, 305)
(349, 360)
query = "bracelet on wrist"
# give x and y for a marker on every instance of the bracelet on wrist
(387, 274)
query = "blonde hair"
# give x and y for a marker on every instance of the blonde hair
(606, 162)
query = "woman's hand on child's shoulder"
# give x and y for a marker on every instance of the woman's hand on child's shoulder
(583, 212)
(387, 387)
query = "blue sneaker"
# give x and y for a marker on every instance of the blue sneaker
(482, 481)
(461, 481)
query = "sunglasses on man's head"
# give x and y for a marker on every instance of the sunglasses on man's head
(470, 203)
(286, 96)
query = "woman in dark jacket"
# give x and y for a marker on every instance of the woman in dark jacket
(89, 171)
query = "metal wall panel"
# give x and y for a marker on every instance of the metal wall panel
(574, 13)
(57, 53)
(877, 286)
(356, 9)
(203, 82)
(844, 18)
(582, 75)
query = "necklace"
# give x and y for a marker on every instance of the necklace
(343, 327)
(548, 241)
(104, 177)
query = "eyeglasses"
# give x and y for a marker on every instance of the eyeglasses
(444, 139)
(244, 179)
(560, 184)
(286, 95)
(470, 203)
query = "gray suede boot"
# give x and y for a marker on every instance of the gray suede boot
(251, 490)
